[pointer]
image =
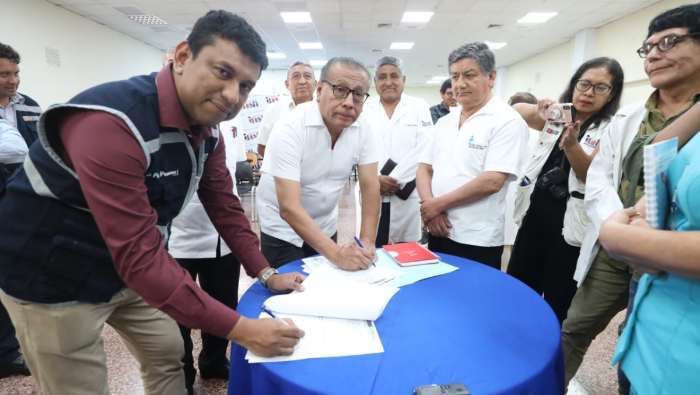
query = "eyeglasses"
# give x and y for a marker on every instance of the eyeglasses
(598, 89)
(449, 94)
(664, 44)
(342, 92)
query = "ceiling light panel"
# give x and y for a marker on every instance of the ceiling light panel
(296, 17)
(537, 17)
(311, 45)
(416, 17)
(495, 45)
(401, 46)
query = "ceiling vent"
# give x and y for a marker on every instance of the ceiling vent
(384, 26)
(163, 29)
(148, 20)
(53, 58)
(377, 51)
(130, 10)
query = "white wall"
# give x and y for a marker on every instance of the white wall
(619, 40)
(90, 53)
(544, 75)
(271, 82)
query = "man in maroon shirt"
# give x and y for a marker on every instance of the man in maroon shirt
(207, 83)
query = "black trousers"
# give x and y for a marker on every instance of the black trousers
(384, 225)
(541, 258)
(279, 252)
(9, 346)
(219, 278)
(489, 256)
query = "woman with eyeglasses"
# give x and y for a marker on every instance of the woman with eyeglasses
(549, 198)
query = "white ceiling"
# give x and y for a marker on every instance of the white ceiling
(349, 27)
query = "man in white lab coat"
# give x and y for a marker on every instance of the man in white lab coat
(197, 247)
(402, 124)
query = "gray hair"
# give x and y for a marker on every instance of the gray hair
(300, 63)
(478, 51)
(346, 62)
(170, 50)
(389, 60)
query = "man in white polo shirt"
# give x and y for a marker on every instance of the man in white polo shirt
(310, 158)
(471, 157)
(301, 84)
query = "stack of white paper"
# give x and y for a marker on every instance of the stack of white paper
(328, 294)
(336, 314)
(373, 275)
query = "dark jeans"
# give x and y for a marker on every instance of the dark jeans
(9, 346)
(219, 278)
(622, 380)
(541, 258)
(384, 225)
(279, 252)
(489, 256)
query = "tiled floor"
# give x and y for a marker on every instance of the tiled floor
(596, 376)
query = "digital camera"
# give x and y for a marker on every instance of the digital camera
(556, 181)
(561, 113)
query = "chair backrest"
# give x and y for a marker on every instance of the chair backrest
(252, 159)
(243, 171)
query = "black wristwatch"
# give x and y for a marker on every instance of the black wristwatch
(266, 276)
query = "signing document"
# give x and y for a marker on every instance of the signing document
(337, 315)
(377, 275)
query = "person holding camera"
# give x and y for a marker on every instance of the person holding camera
(549, 198)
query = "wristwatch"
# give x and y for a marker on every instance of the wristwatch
(266, 276)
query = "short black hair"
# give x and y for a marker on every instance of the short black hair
(6, 52)
(687, 16)
(445, 86)
(228, 26)
(610, 108)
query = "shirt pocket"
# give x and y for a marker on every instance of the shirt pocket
(575, 221)
(472, 216)
(522, 202)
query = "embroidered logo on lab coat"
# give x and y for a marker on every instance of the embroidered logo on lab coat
(474, 145)
(590, 141)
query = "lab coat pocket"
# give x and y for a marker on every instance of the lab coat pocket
(575, 221)
(522, 202)
(472, 216)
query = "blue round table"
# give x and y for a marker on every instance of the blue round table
(476, 326)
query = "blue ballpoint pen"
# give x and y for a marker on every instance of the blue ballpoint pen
(361, 246)
(269, 312)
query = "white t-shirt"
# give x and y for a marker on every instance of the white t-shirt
(192, 233)
(274, 113)
(13, 148)
(300, 150)
(493, 139)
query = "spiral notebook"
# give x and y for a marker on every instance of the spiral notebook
(657, 158)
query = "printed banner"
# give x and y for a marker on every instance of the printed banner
(251, 116)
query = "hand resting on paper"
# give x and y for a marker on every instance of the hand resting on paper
(286, 283)
(266, 337)
(351, 257)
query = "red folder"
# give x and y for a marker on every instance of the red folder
(410, 254)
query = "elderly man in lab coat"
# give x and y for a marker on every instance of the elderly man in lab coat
(402, 124)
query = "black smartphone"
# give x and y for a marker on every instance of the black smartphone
(449, 389)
